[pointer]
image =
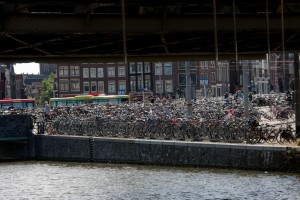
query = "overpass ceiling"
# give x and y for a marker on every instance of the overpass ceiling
(72, 30)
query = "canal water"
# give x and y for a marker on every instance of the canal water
(65, 180)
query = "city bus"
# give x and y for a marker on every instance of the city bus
(85, 99)
(17, 103)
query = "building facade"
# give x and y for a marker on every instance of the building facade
(86, 78)
(47, 69)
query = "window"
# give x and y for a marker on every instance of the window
(93, 72)
(140, 82)
(132, 84)
(147, 67)
(139, 67)
(158, 69)
(182, 79)
(101, 86)
(122, 87)
(100, 72)
(184, 64)
(168, 69)
(121, 71)
(111, 87)
(93, 86)
(86, 73)
(63, 71)
(132, 69)
(158, 86)
(168, 85)
(86, 87)
(64, 85)
(74, 70)
(111, 71)
(213, 76)
(148, 82)
(75, 85)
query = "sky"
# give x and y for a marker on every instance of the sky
(27, 68)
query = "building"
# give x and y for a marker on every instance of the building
(20, 86)
(7, 81)
(164, 79)
(47, 69)
(85, 78)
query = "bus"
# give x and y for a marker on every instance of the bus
(85, 99)
(17, 103)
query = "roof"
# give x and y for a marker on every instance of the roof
(163, 30)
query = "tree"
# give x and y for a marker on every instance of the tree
(47, 89)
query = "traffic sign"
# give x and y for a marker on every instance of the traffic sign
(204, 81)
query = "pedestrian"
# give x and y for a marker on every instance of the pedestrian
(250, 97)
(229, 117)
(47, 111)
(226, 95)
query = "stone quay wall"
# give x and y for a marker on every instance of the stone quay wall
(15, 126)
(136, 151)
(14, 133)
(154, 152)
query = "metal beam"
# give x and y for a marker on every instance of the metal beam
(120, 58)
(112, 24)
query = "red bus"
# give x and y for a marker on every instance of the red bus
(17, 103)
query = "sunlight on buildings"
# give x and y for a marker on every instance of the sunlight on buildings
(27, 68)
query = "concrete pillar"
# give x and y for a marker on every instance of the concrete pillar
(188, 90)
(245, 89)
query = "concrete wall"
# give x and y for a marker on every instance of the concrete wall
(116, 150)
(13, 151)
(60, 148)
(14, 131)
(15, 126)
(199, 154)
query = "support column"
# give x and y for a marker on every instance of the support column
(245, 90)
(124, 33)
(188, 90)
(297, 94)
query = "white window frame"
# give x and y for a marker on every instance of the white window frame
(66, 88)
(93, 83)
(161, 86)
(165, 68)
(147, 67)
(100, 72)
(132, 68)
(93, 72)
(122, 85)
(147, 82)
(86, 73)
(77, 85)
(158, 68)
(86, 83)
(74, 71)
(101, 85)
(171, 85)
(132, 82)
(63, 71)
(139, 67)
(121, 71)
(111, 72)
(111, 90)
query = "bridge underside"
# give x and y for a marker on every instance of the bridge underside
(94, 31)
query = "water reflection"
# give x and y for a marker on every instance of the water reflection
(61, 180)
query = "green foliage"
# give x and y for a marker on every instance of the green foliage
(298, 142)
(47, 89)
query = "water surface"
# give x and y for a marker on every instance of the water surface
(65, 180)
